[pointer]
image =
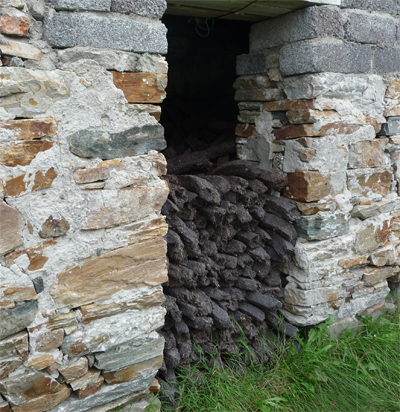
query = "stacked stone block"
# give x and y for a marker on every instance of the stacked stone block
(82, 249)
(318, 103)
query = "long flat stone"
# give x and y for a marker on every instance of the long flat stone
(154, 8)
(91, 5)
(323, 227)
(113, 31)
(132, 142)
(135, 266)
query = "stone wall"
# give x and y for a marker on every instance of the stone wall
(82, 254)
(319, 102)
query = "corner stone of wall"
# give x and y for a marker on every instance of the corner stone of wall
(320, 103)
(82, 250)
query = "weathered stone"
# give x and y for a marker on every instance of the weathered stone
(154, 8)
(50, 340)
(258, 95)
(4, 406)
(54, 228)
(326, 55)
(100, 172)
(373, 276)
(296, 131)
(352, 262)
(35, 255)
(16, 26)
(375, 209)
(95, 311)
(252, 311)
(135, 266)
(14, 287)
(104, 334)
(130, 353)
(44, 402)
(67, 321)
(368, 154)
(141, 87)
(21, 388)
(296, 296)
(19, 49)
(9, 365)
(246, 130)
(19, 185)
(310, 116)
(77, 5)
(125, 206)
(133, 372)
(152, 109)
(26, 129)
(41, 362)
(308, 209)
(386, 60)
(91, 376)
(339, 326)
(363, 181)
(75, 370)
(131, 142)
(372, 237)
(392, 127)
(11, 224)
(22, 154)
(285, 105)
(253, 82)
(386, 256)
(393, 90)
(307, 186)
(65, 29)
(91, 388)
(323, 226)
(17, 318)
(15, 346)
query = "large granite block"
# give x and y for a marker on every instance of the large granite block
(387, 60)
(112, 31)
(387, 6)
(154, 8)
(93, 5)
(309, 23)
(325, 56)
(362, 27)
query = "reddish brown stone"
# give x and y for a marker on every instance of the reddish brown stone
(44, 402)
(22, 154)
(141, 87)
(54, 228)
(11, 224)
(349, 263)
(90, 389)
(131, 372)
(41, 362)
(98, 173)
(15, 186)
(292, 132)
(373, 276)
(9, 365)
(15, 26)
(50, 340)
(312, 116)
(139, 265)
(368, 154)
(26, 129)
(307, 186)
(363, 181)
(44, 180)
(246, 130)
(35, 255)
(393, 90)
(66, 321)
(154, 386)
(285, 105)
(75, 370)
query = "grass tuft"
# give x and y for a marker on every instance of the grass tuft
(355, 373)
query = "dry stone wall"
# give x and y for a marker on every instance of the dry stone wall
(82, 253)
(319, 102)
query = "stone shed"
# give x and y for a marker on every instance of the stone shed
(280, 130)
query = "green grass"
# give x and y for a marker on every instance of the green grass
(358, 373)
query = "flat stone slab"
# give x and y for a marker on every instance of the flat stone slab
(108, 30)
(131, 142)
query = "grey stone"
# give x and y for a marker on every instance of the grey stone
(107, 394)
(262, 301)
(221, 317)
(154, 8)
(93, 5)
(392, 127)
(287, 329)
(325, 56)
(105, 30)
(321, 227)
(363, 27)
(309, 23)
(38, 284)
(250, 310)
(18, 318)
(387, 60)
(246, 284)
(130, 353)
(250, 64)
(387, 6)
(131, 142)
(337, 329)
(36, 8)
